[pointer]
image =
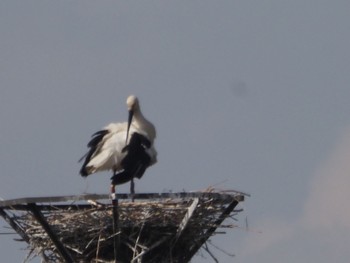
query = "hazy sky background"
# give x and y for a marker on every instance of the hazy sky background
(246, 95)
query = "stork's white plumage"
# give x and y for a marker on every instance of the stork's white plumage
(125, 148)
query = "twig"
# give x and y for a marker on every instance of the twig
(220, 249)
(209, 252)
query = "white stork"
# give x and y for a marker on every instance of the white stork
(128, 156)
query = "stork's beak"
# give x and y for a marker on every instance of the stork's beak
(131, 114)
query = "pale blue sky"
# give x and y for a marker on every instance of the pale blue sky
(245, 95)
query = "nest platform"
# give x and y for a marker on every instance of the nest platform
(165, 227)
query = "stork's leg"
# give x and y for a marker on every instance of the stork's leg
(112, 189)
(114, 199)
(116, 237)
(132, 189)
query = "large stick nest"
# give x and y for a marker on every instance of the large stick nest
(148, 230)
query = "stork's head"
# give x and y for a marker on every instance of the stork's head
(133, 104)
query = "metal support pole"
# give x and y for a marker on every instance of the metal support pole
(14, 225)
(59, 246)
(211, 230)
(187, 218)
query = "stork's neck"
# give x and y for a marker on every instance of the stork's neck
(140, 122)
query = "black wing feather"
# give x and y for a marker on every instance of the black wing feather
(96, 138)
(93, 143)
